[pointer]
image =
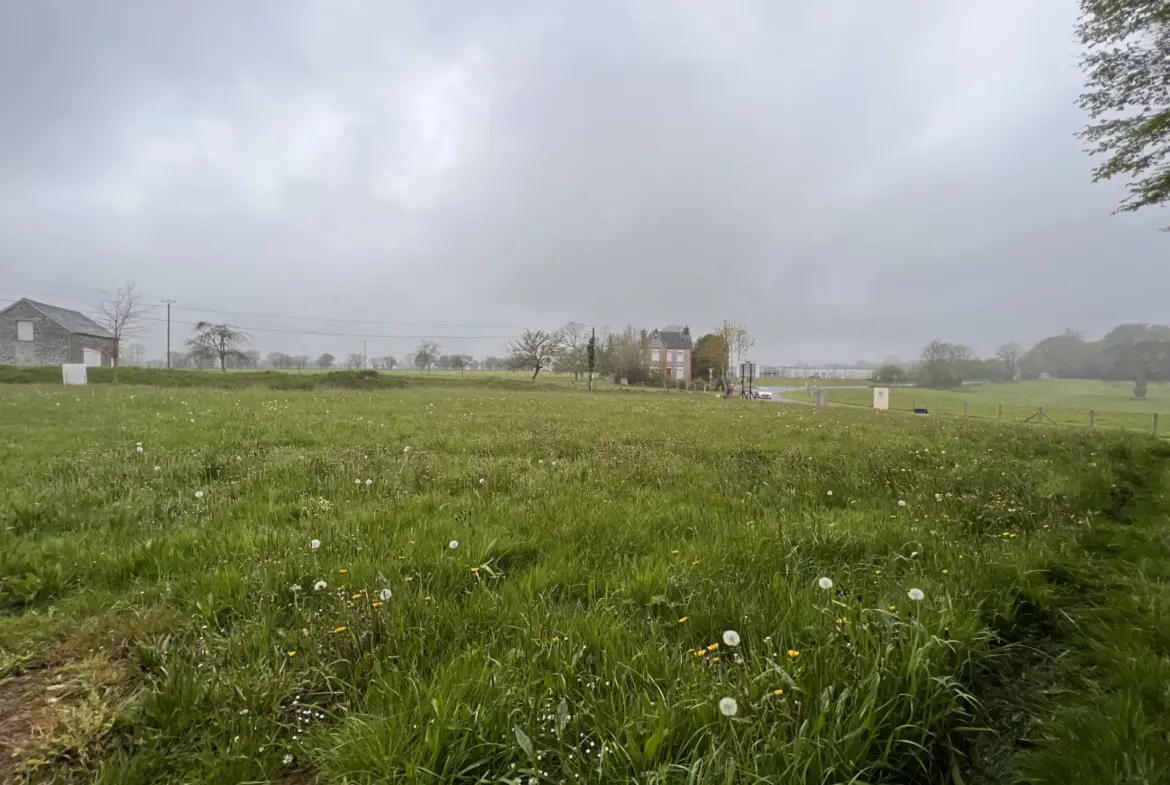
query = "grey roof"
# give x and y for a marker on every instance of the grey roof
(72, 321)
(673, 340)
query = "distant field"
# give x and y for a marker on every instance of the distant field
(1066, 401)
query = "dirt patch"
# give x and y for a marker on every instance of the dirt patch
(27, 713)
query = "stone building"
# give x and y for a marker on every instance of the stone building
(33, 333)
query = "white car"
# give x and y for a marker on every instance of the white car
(764, 395)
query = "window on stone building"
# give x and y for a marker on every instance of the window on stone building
(24, 331)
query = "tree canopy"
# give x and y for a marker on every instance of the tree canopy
(1127, 95)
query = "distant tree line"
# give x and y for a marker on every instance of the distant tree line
(1135, 352)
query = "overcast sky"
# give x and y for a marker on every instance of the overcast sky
(848, 179)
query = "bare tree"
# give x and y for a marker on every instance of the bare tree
(136, 353)
(461, 361)
(122, 313)
(355, 361)
(426, 355)
(535, 349)
(221, 342)
(1010, 355)
(573, 356)
(739, 341)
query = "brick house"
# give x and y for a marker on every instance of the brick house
(33, 333)
(670, 354)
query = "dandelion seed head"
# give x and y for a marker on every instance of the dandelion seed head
(730, 637)
(314, 544)
(825, 583)
(198, 494)
(901, 502)
(916, 594)
(320, 585)
(453, 544)
(728, 707)
(384, 595)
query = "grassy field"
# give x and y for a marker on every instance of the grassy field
(1065, 401)
(258, 586)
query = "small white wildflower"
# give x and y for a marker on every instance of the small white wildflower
(139, 448)
(938, 497)
(482, 481)
(825, 583)
(728, 707)
(406, 450)
(369, 482)
(453, 544)
(357, 482)
(198, 494)
(830, 493)
(731, 637)
(384, 595)
(320, 585)
(916, 595)
(158, 468)
(296, 587)
(901, 502)
(287, 760)
(314, 544)
(914, 555)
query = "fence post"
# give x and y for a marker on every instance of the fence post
(1155, 423)
(999, 414)
(1092, 418)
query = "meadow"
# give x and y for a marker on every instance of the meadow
(1065, 402)
(499, 586)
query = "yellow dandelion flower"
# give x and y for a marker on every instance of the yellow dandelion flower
(683, 620)
(474, 570)
(409, 578)
(339, 629)
(713, 647)
(1046, 526)
(946, 572)
(701, 653)
(356, 596)
(674, 552)
(342, 572)
(428, 598)
(556, 639)
(877, 572)
(778, 692)
(376, 605)
(893, 608)
(714, 659)
(793, 654)
(696, 562)
(292, 654)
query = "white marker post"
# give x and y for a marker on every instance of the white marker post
(73, 373)
(881, 397)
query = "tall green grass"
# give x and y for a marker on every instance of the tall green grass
(602, 546)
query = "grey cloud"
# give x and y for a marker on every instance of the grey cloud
(848, 180)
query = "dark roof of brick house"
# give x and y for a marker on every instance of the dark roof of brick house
(70, 321)
(673, 340)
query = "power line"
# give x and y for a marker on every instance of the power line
(296, 317)
(333, 334)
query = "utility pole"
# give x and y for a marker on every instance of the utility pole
(168, 302)
(591, 351)
(365, 360)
